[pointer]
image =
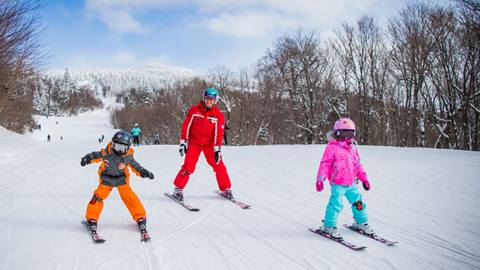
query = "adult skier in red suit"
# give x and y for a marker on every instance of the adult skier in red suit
(202, 131)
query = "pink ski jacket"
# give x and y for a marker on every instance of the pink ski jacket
(341, 164)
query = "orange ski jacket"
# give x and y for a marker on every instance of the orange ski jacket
(113, 169)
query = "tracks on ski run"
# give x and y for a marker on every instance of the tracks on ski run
(44, 192)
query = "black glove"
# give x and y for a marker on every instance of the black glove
(146, 174)
(218, 154)
(183, 147)
(366, 185)
(85, 160)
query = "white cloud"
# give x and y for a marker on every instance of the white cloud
(238, 18)
(118, 14)
(259, 18)
(249, 24)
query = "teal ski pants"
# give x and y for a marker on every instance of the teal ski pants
(335, 204)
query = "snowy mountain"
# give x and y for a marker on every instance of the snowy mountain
(426, 199)
(149, 77)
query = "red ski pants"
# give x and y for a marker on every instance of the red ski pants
(129, 198)
(190, 162)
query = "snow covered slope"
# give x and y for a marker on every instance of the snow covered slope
(426, 199)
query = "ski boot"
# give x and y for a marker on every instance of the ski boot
(332, 231)
(364, 227)
(92, 225)
(142, 226)
(227, 193)
(178, 194)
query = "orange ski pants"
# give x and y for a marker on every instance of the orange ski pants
(129, 198)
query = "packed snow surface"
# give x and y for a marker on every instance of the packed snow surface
(424, 198)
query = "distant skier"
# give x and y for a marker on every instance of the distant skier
(115, 160)
(341, 165)
(202, 131)
(156, 139)
(49, 138)
(136, 131)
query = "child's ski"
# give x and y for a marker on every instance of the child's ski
(373, 236)
(338, 240)
(95, 236)
(239, 203)
(189, 207)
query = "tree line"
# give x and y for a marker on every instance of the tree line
(413, 82)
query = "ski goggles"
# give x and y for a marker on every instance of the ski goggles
(119, 147)
(348, 133)
(210, 98)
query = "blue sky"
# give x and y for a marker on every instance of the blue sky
(196, 34)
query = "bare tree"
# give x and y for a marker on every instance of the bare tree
(363, 68)
(19, 57)
(455, 77)
(303, 74)
(412, 47)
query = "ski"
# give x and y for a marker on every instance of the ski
(95, 236)
(239, 203)
(338, 240)
(187, 206)
(373, 236)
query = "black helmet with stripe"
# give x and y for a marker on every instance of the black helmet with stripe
(122, 137)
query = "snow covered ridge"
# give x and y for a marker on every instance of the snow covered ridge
(148, 77)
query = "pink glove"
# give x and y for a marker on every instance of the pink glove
(319, 185)
(366, 185)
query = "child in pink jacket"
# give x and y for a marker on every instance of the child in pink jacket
(341, 165)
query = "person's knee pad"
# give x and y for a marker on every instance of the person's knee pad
(359, 205)
(95, 199)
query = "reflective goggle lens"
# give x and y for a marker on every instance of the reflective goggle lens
(120, 147)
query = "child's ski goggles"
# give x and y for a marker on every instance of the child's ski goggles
(122, 148)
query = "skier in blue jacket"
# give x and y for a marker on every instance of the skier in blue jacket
(136, 131)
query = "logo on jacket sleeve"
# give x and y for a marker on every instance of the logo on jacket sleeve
(122, 166)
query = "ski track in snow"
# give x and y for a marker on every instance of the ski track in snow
(423, 198)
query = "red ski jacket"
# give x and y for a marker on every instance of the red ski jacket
(203, 126)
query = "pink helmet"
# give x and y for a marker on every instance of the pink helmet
(344, 123)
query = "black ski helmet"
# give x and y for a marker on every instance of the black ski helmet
(122, 137)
